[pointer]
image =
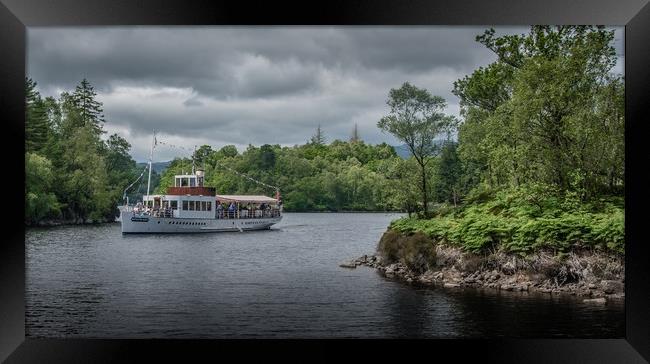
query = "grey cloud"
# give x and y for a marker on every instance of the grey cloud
(207, 58)
(240, 85)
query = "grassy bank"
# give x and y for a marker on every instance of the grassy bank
(524, 221)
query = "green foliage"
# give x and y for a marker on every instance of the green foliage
(416, 118)
(71, 173)
(416, 251)
(40, 202)
(447, 184)
(37, 128)
(341, 176)
(548, 110)
(540, 157)
(524, 220)
(318, 139)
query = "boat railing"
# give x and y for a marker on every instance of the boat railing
(220, 214)
(248, 214)
(156, 212)
(165, 212)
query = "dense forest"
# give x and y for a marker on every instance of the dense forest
(535, 160)
(73, 172)
(540, 156)
(316, 176)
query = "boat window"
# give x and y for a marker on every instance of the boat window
(174, 205)
(177, 182)
(184, 182)
(191, 205)
(185, 203)
(203, 206)
(192, 182)
(209, 205)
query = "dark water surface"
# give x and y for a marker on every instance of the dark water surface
(92, 281)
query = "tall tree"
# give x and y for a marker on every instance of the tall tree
(416, 119)
(36, 121)
(40, 201)
(228, 151)
(448, 173)
(355, 134)
(267, 157)
(90, 110)
(201, 155)
(319, 137)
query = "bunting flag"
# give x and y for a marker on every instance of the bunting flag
(134, 182)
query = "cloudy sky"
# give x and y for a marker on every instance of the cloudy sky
(253, 85)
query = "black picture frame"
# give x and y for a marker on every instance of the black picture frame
(16, 15)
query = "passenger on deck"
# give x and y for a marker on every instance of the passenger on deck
(231, 210)
(219, 210)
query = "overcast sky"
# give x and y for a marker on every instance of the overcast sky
(253, 85)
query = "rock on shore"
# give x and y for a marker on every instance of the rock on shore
(581, 275)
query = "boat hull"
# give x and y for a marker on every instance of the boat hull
(137, 224)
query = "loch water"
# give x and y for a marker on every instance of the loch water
(94, 282)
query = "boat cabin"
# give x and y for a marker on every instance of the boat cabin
(188, 199)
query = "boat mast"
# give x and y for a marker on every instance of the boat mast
(193, 159)
(153, 142)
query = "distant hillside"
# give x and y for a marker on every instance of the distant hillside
(157, 167)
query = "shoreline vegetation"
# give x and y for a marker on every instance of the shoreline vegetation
(508, 240)
(531, 195)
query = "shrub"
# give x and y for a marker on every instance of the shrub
(416, 251)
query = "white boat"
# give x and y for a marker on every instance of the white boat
(190, 207)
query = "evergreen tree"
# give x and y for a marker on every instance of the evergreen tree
(355, 134)
(36, 118)
(318, 138)
(90, 110)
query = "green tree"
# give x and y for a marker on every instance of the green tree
(318, 138)
(355, 134)
(40, 201)
(36, 119)
(90, 110)
(267, 157)
(448, 173)
(121, 168)
(548, 110)
(416, 119)
(85, 180)
(201, 155)
(228, 151)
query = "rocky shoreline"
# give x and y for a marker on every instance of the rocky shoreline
(593, 277)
